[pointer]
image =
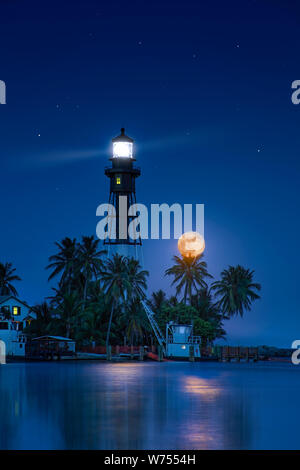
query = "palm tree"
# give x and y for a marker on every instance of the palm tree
(116, 284)
(189, 275)
(158, 299)
(173, 301)
(64, 262)
(42, 323)
(91, 320)
(236, 290)
(67, 313)
(95, 310)
(209, 310)
(206, 304)
(135, 319)
(7, 276)
(137, 279)
(89, 261)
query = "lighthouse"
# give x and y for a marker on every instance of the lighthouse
(122, 175)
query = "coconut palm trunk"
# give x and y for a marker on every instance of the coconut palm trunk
(68, 330)
(84, 293)
(109, 324)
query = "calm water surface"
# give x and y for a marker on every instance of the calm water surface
(92, 405)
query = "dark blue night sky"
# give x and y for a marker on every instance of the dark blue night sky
(203, 87)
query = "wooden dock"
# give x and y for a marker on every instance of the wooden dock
(238, 353)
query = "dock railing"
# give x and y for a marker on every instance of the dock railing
(238, 353)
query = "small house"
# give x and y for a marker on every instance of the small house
(15, 315)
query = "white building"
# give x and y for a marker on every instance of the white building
(180, 340)
(15, 315)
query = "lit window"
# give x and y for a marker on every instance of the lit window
(16, 310)
(118, 180)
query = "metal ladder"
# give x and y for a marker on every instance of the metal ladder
(159, 336)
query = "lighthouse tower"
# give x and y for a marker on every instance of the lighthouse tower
(122, 175)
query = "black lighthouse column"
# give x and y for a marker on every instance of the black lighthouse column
(122, 175)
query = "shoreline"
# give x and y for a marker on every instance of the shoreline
(102, 358)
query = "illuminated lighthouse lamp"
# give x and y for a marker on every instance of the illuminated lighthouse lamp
(122, 146)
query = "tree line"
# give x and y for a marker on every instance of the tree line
(97, 300)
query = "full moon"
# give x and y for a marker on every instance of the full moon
(191, 244)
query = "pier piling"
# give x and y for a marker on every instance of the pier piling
(192, 354)
(141, 356)
(160, 353)
(108, 353)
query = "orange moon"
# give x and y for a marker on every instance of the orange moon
(191, 244)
